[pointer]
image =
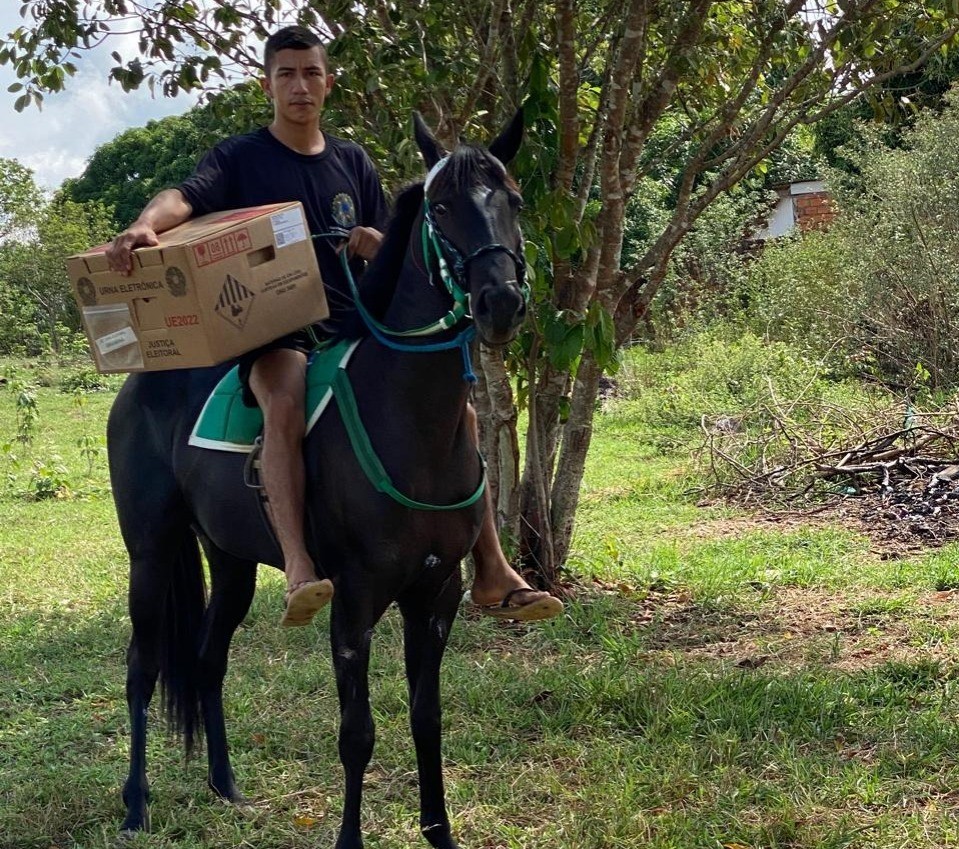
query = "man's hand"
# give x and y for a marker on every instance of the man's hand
(120, 252)
(167, 209)
(364, 242)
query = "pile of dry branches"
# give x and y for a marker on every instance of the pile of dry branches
(902, 468)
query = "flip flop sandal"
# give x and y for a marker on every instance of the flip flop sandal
(541, 608)
(305, 601)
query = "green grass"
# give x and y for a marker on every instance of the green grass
(720, 683)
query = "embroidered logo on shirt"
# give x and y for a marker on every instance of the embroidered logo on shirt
(234, 302)
(344, 210)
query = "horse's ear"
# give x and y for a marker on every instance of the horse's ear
(506, 144)
(426, 142)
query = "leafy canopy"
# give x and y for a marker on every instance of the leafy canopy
(692, 94)
(19, 197)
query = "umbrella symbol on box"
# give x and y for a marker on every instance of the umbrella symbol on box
(234, 302)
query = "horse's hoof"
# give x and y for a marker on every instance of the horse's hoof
(132, 827)
(349, 841)
(136, 800)
(439, 836)
(233, 798)
(241, 806)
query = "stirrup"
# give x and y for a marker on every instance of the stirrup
(251, 468)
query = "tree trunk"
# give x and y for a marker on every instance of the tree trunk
(545, 405)
(499, 442)
(536, 539)
(577, 434)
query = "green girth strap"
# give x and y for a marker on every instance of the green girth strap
(370, 463)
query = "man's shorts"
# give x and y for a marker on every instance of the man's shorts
(301, 340)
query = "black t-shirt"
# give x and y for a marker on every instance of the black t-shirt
(339, 189)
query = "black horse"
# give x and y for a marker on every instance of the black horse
(461, 226)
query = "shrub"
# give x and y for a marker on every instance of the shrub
(879, 293)
(49, 479)
(87, 379)
(800, 291)
(712, 377)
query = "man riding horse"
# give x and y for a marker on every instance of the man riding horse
(394, 498)
(295, 159)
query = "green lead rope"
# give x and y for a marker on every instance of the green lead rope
(370, 463)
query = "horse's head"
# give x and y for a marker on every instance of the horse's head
(473, 206)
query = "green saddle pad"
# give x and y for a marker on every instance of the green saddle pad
(226, 424)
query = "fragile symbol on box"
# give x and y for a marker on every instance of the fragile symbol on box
(214, 250)
(234, 302)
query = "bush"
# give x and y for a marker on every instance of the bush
(88, 379)
(712, 377)
(49, 479)
(879, 293)
(704, 282)
(800, 291)
(745, 408)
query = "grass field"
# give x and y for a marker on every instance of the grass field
(718, 681)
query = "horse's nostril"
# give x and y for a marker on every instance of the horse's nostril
(500, 308)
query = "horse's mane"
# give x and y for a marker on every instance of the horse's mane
(469, 165)
(378, 282)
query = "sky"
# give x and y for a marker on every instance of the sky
(57, 141)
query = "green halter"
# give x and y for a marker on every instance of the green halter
(433, 242)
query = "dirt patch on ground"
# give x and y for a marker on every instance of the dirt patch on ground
(796, 627)
(896, 526)
(735, 526)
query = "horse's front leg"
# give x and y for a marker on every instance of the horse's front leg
(427, 623)
(350, 635)
(233, 582)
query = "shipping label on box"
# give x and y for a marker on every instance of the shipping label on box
(214, 288)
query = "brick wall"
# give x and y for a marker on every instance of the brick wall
(814, 211)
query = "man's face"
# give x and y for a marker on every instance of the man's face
(298, 85)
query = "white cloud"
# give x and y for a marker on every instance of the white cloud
(57, 141)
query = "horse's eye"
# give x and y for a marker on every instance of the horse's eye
(440, 209)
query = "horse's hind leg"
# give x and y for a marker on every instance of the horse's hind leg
(350, 635)
(147, 584)
(427, 623)
(233, 582)
(165, 603)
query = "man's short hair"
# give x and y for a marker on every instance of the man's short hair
(290, 38)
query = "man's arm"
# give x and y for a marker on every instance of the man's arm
(365, 239)
(166, 210)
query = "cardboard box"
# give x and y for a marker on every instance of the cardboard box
(215, 287)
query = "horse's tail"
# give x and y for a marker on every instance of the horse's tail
(180, 641)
